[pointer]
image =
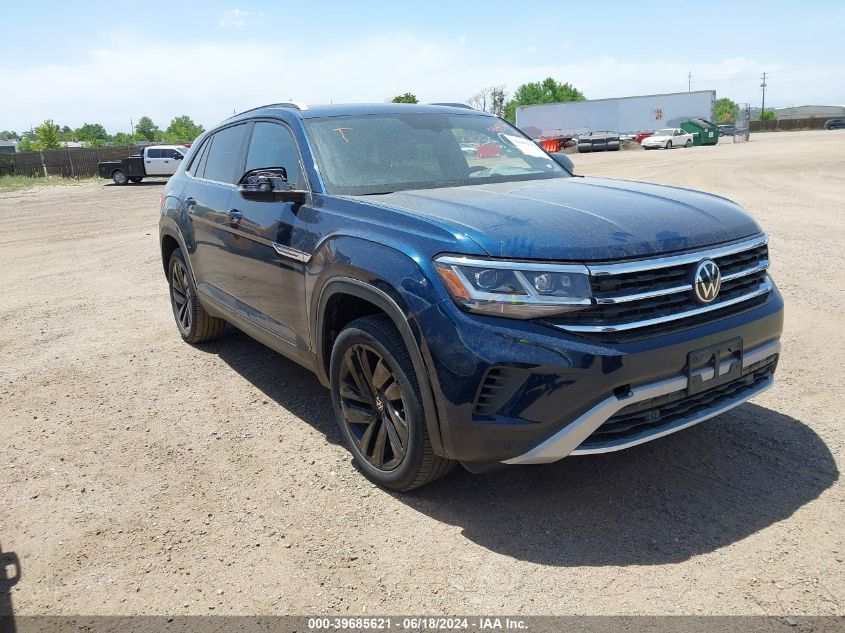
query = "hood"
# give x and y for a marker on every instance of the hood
(578, 219)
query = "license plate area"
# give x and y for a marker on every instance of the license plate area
(713, 366)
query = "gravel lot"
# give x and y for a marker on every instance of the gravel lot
(143, 475)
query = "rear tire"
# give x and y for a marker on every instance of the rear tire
(194, 323)
(135, 179)
(688, 143)
(119, 177)
(377, 405)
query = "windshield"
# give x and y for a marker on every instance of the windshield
(666, 132)
(382, 153)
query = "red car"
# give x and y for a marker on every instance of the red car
(639, 137)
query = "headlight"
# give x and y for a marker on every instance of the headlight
(520, 290)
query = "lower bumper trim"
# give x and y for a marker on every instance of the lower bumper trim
(568, 439)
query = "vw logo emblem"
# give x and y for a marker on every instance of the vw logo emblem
(706, 281)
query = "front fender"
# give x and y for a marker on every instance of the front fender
(387, 278)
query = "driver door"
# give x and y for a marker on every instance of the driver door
(268, 242)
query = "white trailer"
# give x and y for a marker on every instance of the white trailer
(625, 115)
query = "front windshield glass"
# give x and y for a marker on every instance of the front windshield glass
(382, 153)
(667, 132)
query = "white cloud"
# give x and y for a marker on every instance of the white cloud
(233, 17)
(208, 81)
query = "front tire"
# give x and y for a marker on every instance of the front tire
(668, 144)
(136, 179)
(194, 323)
(119, 177)
(377, 405)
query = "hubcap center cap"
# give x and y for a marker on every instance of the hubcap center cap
(379, 403)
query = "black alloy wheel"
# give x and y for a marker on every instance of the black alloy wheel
(194, 323)
(378, 407)
(180, 295)
(373, 407)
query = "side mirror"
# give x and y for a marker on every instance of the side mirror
(177, 156)
(564, 161)
(269, 184)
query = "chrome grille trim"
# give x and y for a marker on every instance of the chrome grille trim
(762, 289)
(598, 270)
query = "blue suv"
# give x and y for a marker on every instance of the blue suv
(462, 293)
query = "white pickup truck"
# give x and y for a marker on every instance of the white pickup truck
(154, 161)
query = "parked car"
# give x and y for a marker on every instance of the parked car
(834, 124)
(668, 138)
(154, 161)
(727, 129)
(469, 149)
(463, 309)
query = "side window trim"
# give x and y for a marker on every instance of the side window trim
(289, 130)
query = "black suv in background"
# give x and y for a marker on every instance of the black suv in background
(465, 297)
(834, 124)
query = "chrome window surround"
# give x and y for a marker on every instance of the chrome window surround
(569, 438)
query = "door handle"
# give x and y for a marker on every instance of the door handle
(234, 216)
(190, 202)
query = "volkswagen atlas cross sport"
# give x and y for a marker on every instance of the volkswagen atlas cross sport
(476, 307)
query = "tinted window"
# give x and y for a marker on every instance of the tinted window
(153, 153)
(196, 161)
(272, 145)
(223, 163)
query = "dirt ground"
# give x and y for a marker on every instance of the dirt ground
(143, 475)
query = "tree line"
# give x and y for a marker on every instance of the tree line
(50, 135)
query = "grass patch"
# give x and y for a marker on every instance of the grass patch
(17, 183)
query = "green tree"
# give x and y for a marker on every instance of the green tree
(146, 129)
(27, 142)
(122, 138)
(8, 135)
(546, 91)
(768, 115)
(725, 110)
(47, 136)
(182, 130)
(408, 97)
(92, 134)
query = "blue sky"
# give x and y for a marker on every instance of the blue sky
(92, 63)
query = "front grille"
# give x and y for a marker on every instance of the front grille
(663, 411)
(658, 294)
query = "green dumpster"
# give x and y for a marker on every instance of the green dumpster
(703, 132)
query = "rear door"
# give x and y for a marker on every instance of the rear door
(211, 185)
(267, 241)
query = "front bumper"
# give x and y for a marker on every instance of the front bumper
(562, 387)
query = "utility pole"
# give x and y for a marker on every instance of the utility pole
(763, 106)
(689, 81)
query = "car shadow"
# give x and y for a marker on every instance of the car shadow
(683, 495)
(282, 380)
(663, 502)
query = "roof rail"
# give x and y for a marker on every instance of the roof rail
(454, 105)
(284, 104)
